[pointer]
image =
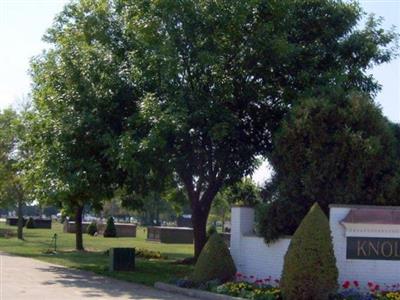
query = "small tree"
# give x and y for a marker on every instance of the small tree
(77, 89)
(92, 228)
(244, 193)
(12, 155)
(309, 270)
(30, 223)
(110, 230)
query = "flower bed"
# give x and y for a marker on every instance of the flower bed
(253, 291)
(250, 287)
(351, 290)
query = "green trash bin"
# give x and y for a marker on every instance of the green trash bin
(122, 259)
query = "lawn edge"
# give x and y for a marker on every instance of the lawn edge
(195, 293)
(78, 268)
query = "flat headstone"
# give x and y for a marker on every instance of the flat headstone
(122, 259)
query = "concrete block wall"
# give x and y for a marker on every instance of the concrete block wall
(242, 223)
(252, 256)
(125, 230)
(170, 235)
(70, 227)
(122, 229)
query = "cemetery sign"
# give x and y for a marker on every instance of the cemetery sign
(373, 248)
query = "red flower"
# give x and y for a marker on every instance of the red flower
(356, 283)
(238, 274)
(373, 287)
(346, 284)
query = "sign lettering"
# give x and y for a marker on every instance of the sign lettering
(373, 248)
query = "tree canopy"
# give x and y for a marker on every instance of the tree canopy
(217, 77)
(13, 154)
(337, 150)
(79, 98)
(186, 91)
(8, 143)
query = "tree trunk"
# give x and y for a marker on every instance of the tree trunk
(199, 220)
(78, 225)
(157, 210)
(223, 221)
(200, 203)
(20, 220)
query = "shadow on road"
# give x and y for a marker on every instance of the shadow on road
(95, 286)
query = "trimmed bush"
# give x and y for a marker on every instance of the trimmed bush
(214, 262)
(30, 223)
(211, 230)
(309, 270)
(110, 230)
(92, 228)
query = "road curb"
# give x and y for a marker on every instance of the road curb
(193, 292)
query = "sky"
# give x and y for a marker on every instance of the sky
(23, 23)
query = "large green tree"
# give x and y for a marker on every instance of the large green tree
(78, 90)
(196, 89)
(332, 150)
(216, 77)
(12, 156)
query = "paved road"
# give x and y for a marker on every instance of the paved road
(26, 278)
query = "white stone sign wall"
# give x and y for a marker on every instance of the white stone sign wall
(253, 257)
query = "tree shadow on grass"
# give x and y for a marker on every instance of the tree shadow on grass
(91, 285)
(146, 272)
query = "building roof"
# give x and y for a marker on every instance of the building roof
(373, 215)
(334, 205)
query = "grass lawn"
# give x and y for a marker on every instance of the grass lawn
(37, 242)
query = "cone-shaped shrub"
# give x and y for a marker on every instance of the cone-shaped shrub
(92, 228)
(110, 230)
(309, 270)
(30, 223)
(215, 262)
